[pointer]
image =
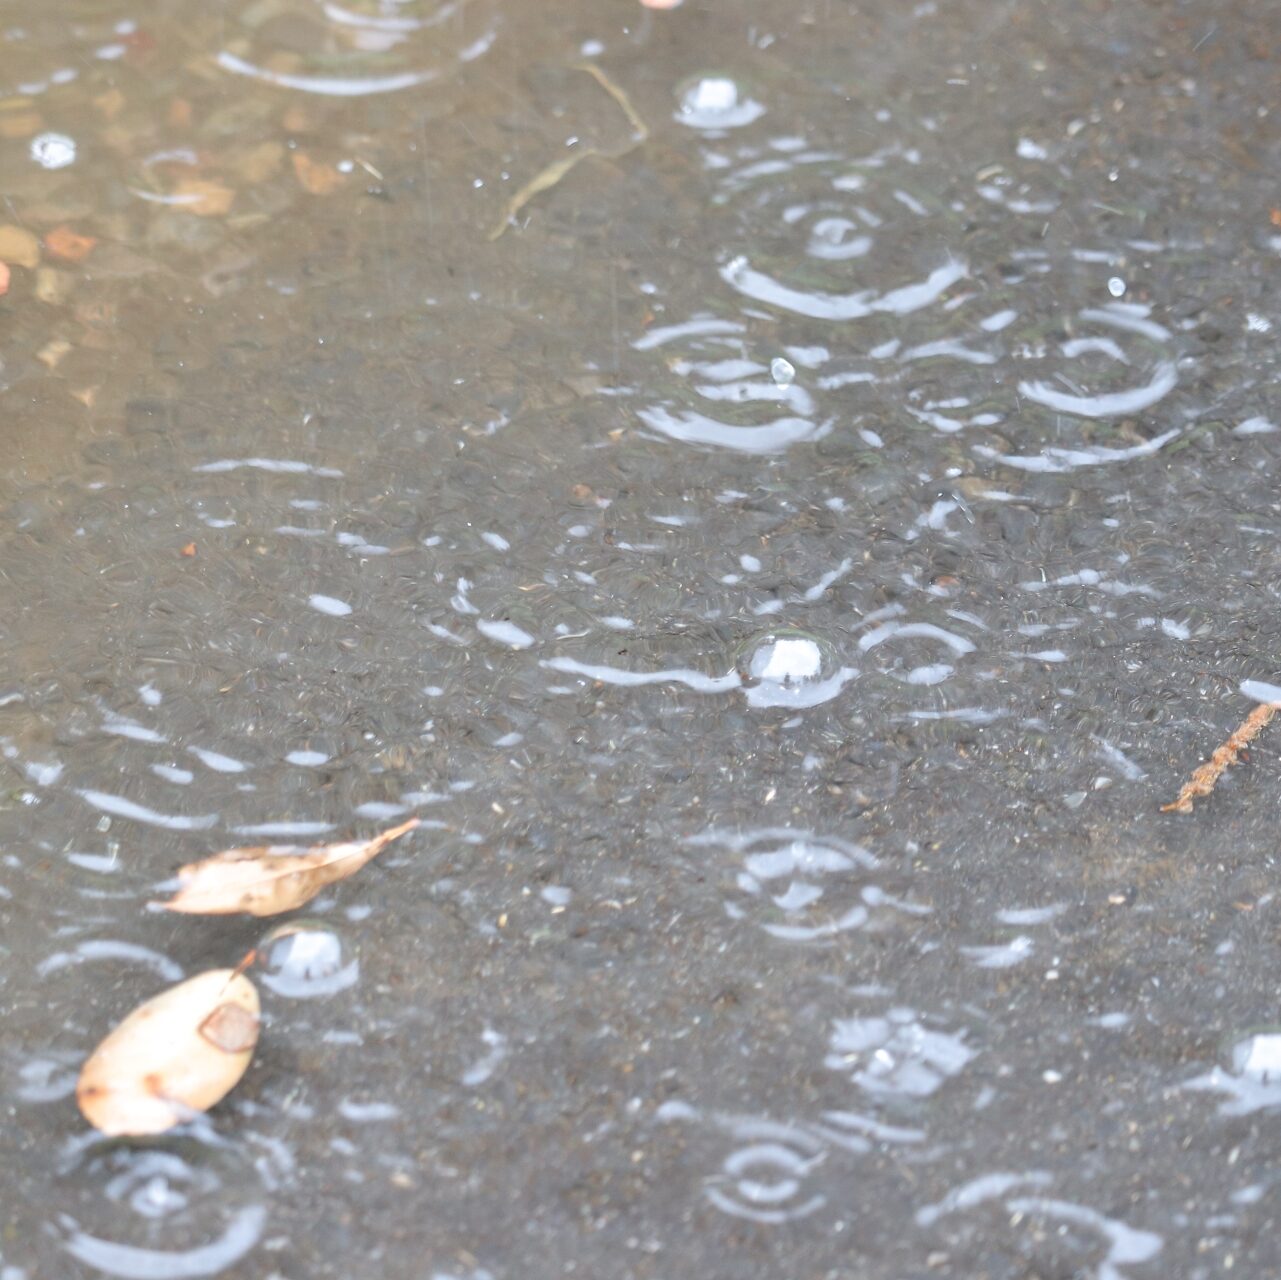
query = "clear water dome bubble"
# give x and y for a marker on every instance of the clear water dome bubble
(714, 101)
(790, 668)
(53, 150)
(306, 958)
(782, 371)
(1257, 1055)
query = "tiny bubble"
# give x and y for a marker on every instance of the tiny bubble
(1116, 286)
(782, 371)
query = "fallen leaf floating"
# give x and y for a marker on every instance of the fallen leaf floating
(176, 1055)
(267, 880)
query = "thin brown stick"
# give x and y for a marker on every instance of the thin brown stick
(554, 172)
(1201, 783)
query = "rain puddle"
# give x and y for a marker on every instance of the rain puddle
(784, 493)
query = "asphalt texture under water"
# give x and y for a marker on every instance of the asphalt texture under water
(787, 570)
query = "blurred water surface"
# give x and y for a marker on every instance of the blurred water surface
(786, 569)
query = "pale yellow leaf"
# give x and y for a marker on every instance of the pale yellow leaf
(269, 879)
(19, 247)
(177, 1054)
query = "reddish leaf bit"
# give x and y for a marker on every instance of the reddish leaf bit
(68, 245)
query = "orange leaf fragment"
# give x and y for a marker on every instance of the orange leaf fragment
(203, 198)
(68, 245)
(1274, 216)
(316, 177)
(177, 1054)
(188, 550)
(1203, 780)
(5, 276)
(20, 124)
(269, 879)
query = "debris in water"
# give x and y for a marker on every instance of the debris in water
(177, 1054)
(62, 242)
(555, 171)
(269, 879)
(315, 177)
(1202, 782)
(203, 198)
(19, 247)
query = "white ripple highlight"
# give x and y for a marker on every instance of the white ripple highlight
(123, 808)
(695, 680)
(740, 275)
(1053, 461)
(132, 1262)
(331, 605)
(1111, 405)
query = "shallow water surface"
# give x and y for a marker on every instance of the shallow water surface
(786, 558)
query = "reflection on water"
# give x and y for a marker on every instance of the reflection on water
(787, 571)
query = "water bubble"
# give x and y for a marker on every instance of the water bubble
(1250, 1077)
(782, 371)
(1116, 287)
(306, 958)
(53, 150)
(1258, 1055)
(713, 102)
(790, 669)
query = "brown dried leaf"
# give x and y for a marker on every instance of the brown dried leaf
(54, 286)
(52, 352)
(19, 247)
(179, 1053)
(68, 245)
(20, 124)
(203, 198)
(269, 879)
(315, 177)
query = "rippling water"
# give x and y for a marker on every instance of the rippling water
(786, 569)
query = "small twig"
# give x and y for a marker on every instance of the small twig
(1202, 782)
(547, 178)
